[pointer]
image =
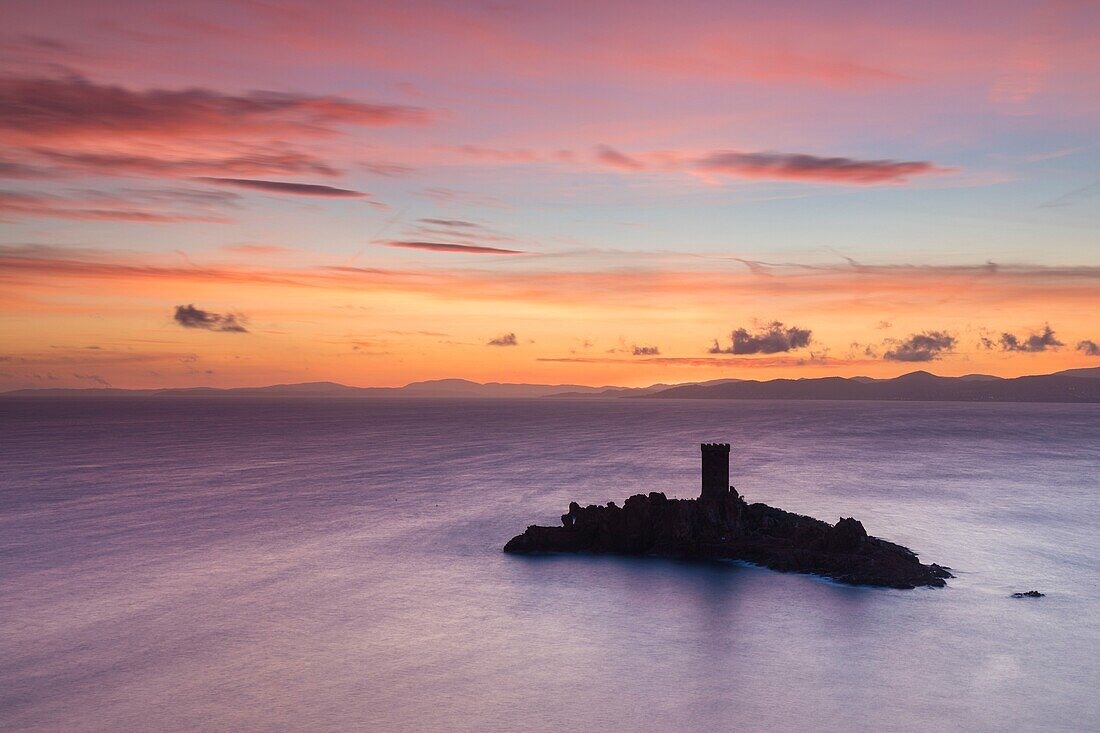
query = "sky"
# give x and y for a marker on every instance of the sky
(244, 192)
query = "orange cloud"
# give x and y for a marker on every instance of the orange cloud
(850, 286)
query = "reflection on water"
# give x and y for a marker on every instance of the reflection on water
(327, 565)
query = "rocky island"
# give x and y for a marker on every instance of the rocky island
(720, 524)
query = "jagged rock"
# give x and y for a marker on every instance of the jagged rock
(1029, 594)
(722, 525)
(847, 535)
(731, 528)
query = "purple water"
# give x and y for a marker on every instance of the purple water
(336, 565)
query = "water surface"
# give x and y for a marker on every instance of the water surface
(332, 565)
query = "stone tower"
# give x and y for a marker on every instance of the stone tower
(716, 471)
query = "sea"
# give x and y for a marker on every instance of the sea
(335, 565)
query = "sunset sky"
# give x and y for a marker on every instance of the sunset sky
(246, 193)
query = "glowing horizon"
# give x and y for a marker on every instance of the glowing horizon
(237, 194)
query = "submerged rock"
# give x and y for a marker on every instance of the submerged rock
(1029, 594)
(730, 528)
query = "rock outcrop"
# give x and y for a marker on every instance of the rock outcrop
(730, 528)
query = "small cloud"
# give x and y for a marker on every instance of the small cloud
(774, 338)
(1089, 347)
(189, 316)
(91, 378)
(856, 349)
(1034, 343)
(295, 189)
(508, 339)
(926, 346)
(645, 351)
(883, 325)
(615, 159)
(451, 247)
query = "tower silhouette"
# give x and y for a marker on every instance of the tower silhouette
(716, 471)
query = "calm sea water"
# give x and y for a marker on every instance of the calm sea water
(336, 566)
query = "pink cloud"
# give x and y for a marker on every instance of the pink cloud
(803, 167)
(615, 159)
(773, 166)
(73, 107)
(294, 189)
(248, 160)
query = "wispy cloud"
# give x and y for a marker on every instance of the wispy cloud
(98, 206)
(1089, 347)
(771, 166)
(910, 286)
(388, 170)
(645, 350)
(615, 159)
(456, 248)
(451, 223)
(39, 108)
(804, 167)
(256, 249)
(295, 189)
(244, 160)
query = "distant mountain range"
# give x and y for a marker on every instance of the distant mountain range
(1082, 385)
(1071, 385)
